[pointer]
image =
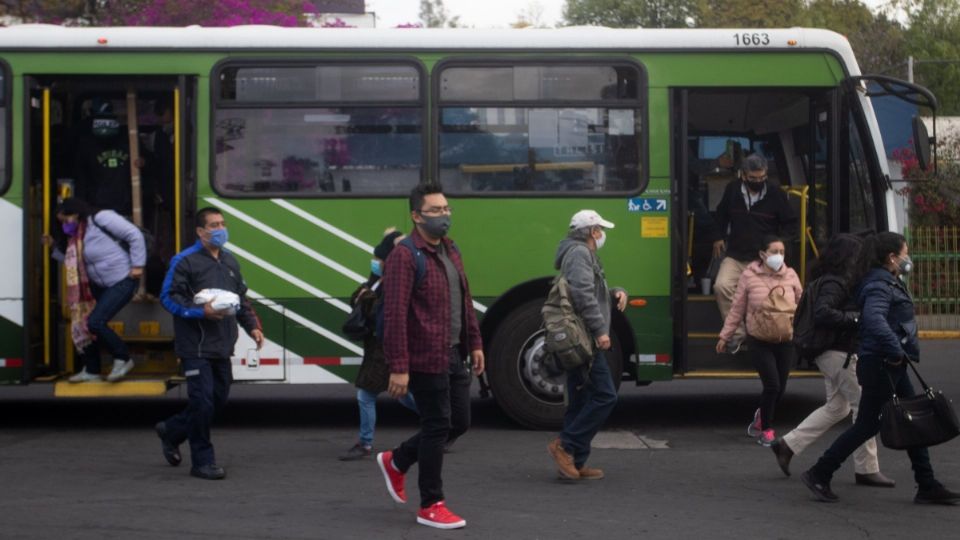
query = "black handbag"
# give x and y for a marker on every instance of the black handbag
(920, 421)
(358, 325)
(355, 327)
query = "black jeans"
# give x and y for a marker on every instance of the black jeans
(208, 386)
(773, 361)
(875, 377)
(443, 400)
(110, 300)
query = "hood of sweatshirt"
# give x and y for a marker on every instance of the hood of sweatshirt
(566, 245)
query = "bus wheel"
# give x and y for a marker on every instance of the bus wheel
(528, 392)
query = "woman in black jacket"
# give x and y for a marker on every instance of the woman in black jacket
(888, 340)
(837, 317)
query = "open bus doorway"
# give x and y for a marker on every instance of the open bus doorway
(714, 130)
(116, 143)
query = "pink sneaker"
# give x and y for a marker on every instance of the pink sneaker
(437, 515)
(393, 477)
(754, 429)
(766, 438)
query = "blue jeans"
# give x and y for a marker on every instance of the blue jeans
(208, 386)
(368, 413)
(589, 403)
(872, 373)
(110, 301)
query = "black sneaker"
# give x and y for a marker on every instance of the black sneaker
(209, 472)
(170, 451)
(357, 451)
(820, 490)
(936, 495)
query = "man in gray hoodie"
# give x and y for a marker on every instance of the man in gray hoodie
(591, 394)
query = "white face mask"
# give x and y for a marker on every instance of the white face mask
(602, 240)
(775, 262)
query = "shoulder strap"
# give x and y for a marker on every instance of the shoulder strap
(418, 259)
(93, 219)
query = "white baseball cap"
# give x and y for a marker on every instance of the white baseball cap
(588, 218)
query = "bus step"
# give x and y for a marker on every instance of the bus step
(125, 388)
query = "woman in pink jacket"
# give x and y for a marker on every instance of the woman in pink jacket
(772, 356)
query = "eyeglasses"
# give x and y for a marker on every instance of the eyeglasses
(751, 178)
(436, 211)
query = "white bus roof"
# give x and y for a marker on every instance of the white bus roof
(42, 36)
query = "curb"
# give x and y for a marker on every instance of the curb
(939, 334)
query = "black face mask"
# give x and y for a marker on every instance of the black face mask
(436, 226)
(755, 187)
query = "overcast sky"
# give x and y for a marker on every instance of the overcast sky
(480, 13)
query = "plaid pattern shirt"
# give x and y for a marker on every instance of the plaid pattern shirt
(416, 317)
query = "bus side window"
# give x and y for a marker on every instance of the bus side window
(546, 128)
(318, 130)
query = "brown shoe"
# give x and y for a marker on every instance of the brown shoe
(784, 455)
(589, 473)
(564, 460)
(874, 480)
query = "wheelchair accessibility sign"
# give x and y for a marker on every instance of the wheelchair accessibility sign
(638, 204)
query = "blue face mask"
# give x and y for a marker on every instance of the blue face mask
(376, 267)
(219, 237)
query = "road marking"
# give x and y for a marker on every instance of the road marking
(620, 439)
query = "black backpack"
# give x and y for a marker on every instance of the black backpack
(811, 340)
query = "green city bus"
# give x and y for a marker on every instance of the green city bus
(310, 140)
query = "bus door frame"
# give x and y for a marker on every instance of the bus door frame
(37, 102)
(185, 160)
(679, 101)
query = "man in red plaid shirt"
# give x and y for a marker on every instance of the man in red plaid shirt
(429, 328)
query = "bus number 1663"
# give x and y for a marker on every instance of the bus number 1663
(746, 39)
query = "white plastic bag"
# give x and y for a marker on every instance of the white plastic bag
(222, 300)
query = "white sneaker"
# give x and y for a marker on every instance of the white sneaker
(84, 376)
(120, 369)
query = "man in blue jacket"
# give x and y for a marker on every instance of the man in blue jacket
(205, 338)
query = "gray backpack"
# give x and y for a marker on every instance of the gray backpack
(566, 341)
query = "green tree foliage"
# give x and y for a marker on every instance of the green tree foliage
(751, 13)
(877, 40)
(433, 14)
(933, 39)
(632, 13)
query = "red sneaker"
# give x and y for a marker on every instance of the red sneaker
(392, 476)
(437, 515)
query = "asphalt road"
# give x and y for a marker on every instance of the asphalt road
(680, 466)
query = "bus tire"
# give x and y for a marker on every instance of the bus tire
(526, 393)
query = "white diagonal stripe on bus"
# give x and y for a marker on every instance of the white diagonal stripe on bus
(289, 278)
(352, 347)
(263, 227)
(340, 233)
(297, 245)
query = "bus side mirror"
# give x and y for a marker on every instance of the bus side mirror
(922, 143)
